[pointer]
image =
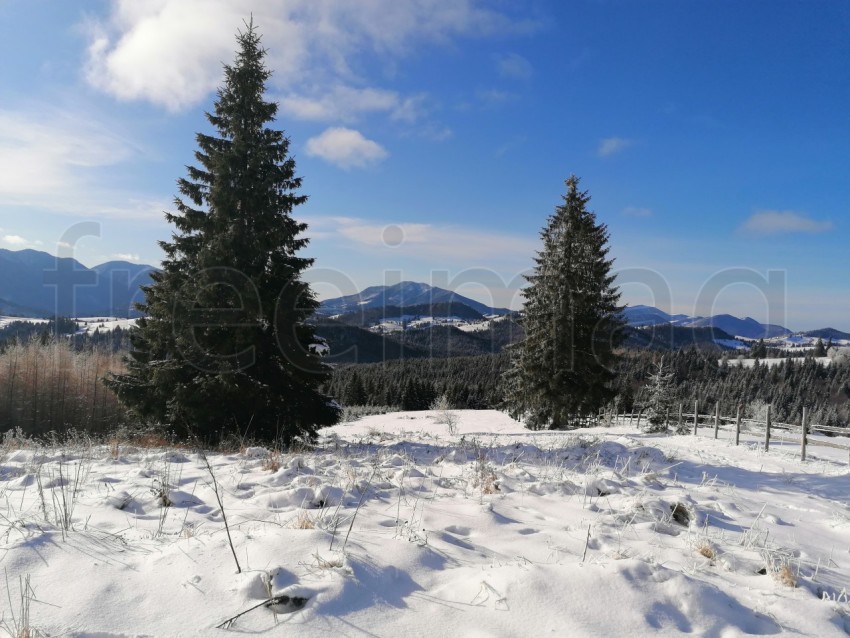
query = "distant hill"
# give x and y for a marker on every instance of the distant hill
(639, 316)
(354, 344)
(747, 327)
(669, 337)
(404, 294)
(649, 316)
(36, 284)
(827, 333)
(372, 316)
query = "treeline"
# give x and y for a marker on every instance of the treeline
(353, 344)
(788, 386)
(467, 382)
(474, 383)
(22, 332)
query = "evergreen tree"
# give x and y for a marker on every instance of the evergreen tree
(224, 343)
(820, 349)
(660, 400)
(759, 350)
(355, 393)
(562, 372)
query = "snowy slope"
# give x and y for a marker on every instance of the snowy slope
(401, 525)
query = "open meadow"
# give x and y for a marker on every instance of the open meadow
(455, 523)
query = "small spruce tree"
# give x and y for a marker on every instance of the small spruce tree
(660, 399)
(224, 344)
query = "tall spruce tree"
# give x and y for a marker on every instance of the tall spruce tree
(224, 345)
(562, 372)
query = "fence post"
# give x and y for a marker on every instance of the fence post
(716, 419)
(696, 416)
(640, 413)
(738, 426)
(803, 438)
(767, 430)
(666, 420)
(679, 428)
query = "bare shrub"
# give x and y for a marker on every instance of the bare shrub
(271, 462)
(444, 415)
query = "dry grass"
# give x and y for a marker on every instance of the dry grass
(337, 562)
(485, 476)
(303, 521)
(271, 462)
(785, 575)
(704, 548)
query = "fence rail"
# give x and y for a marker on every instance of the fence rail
(767, 428)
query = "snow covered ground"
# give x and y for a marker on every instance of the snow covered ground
(103, 324)
(84, 324)
(5, 320)
(401, 525)
(770, 362)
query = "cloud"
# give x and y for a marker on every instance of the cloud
(613, 145)
(428, 241)
(51, 150)
(512, 65)
(169, 52)
(773, 222)
(15, 240)
(55, 159)
(346, 103)
(125, 256)
(346, 148)
(637, 211)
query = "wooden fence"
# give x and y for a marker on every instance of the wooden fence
(768, 429)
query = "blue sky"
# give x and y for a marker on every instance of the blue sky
(434, 137)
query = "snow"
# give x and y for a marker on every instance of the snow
(394, 525)
(749, 363)
(5, 320)
(88, 325)
(84, 324)
(734, 344)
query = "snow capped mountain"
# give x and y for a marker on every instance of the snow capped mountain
(406, 293)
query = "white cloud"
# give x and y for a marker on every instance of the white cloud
(428, 241)
(125, 256)
(772, 222)
(613, 145)
(345, 148)
(15, 240)
(512, 65)
(347, 103)
(169, 52)
(51, 150)
(54, 159)
(637, 211)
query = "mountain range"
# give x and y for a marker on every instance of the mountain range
(403, 294)
(36, 284)
(747, 327)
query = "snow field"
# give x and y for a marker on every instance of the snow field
(392, 524)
